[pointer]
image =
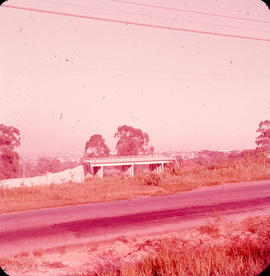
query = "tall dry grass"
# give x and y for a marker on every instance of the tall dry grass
(217, 248)
(237, 255)
(246, 258)
(173, 180)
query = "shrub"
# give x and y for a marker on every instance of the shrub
(209, 229)
(151, 179)
(172, 169)
(245, 255)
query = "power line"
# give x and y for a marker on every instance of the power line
(191, 11)
(136, 23)
(151, 16)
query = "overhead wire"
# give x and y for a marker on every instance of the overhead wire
(190, 11)
(152, 16)
(140, 24)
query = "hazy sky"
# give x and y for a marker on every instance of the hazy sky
(63, 79)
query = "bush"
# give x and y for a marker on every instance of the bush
(151, 179)
(172, 169)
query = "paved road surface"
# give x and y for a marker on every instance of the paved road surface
(104, 221)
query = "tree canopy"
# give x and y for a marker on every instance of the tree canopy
(132, 141)
(9, 158)
(96, 147)
(263, 140)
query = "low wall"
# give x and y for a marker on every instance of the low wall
(74, 175)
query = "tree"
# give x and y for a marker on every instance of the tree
(9, 158)
(132, 141)
(96, 147)
(263, 140)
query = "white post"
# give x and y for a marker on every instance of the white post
(131, 170)
(158, 168)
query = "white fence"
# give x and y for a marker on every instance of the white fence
(74, 175)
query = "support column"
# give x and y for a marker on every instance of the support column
(132, 170)
(158, 167)
(128, 169)
(153, 167)
(99, 171)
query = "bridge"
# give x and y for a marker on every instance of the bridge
(156, 163)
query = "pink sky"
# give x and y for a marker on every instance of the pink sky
(64, 79)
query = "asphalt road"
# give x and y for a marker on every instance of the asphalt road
(26, 231)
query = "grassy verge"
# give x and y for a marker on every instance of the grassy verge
(217, 248)
(173, 180)
(245, 251)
